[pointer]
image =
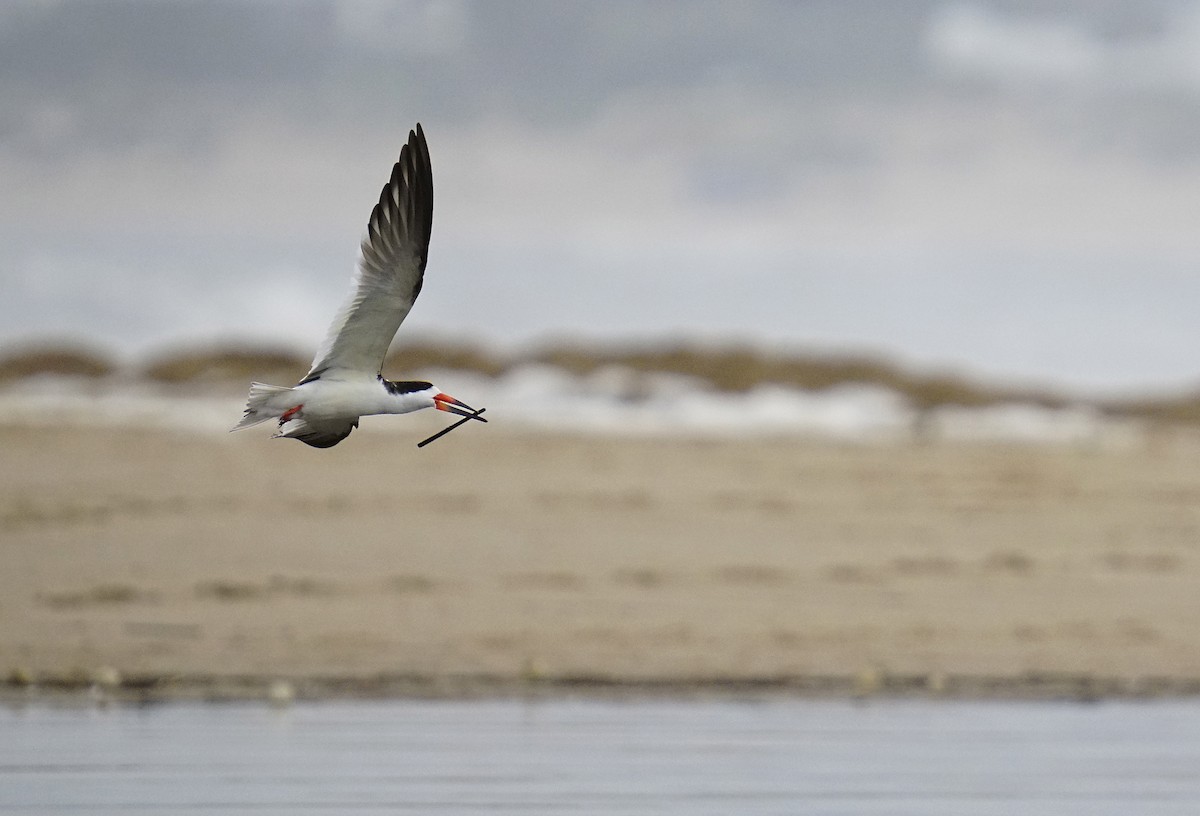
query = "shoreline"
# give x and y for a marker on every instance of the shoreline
(282, 690)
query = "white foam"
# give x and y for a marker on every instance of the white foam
(611, 400)
(52, 401)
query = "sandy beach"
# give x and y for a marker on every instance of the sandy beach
(154, 557)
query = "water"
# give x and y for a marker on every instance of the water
(574, 757)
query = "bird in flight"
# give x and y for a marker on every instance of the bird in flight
(346, 380)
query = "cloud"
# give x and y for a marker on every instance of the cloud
(1069, 47)
(848, 173)
(422, 27)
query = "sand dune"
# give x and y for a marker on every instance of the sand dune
(547, 558)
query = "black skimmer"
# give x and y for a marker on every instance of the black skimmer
(346, 380)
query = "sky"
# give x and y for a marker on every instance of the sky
(1006, 188)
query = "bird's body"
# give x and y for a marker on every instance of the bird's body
(345, 382)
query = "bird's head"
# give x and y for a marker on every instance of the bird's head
(413, 395)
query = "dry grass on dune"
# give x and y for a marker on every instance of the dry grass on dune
(1177, 410)
(222, 364)
(740, 368)
(54, 359)
(732, 368)
(422, 356)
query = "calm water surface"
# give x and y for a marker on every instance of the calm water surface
(642, 757)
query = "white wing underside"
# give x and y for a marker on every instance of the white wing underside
(391, 267)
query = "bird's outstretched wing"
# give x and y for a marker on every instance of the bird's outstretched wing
(391, 268)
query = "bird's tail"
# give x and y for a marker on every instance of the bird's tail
(263, 404)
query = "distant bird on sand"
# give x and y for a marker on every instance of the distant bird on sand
(345, 381)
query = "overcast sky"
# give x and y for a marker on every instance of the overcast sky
(1008, 188)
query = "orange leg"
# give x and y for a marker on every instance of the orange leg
(289, 413)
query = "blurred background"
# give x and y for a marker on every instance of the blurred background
(836, 352)
(1000, 186)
